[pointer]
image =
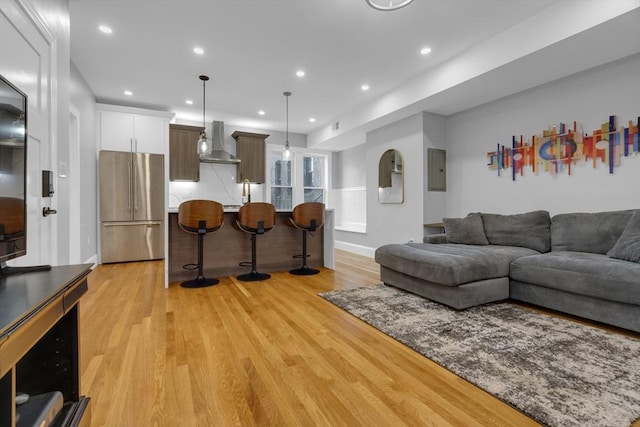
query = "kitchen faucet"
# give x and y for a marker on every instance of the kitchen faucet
(246, 190)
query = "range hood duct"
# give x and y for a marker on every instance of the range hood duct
(218, 153)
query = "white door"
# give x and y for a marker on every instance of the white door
(26, 49)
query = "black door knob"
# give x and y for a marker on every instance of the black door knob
(46, 211)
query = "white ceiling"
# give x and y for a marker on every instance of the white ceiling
(254, 47)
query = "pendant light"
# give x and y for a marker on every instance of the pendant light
(204, 146)
(287, 148)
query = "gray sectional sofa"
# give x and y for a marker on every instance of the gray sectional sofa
(584, 264)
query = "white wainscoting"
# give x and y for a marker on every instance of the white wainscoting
(351, 216)
(351, 209)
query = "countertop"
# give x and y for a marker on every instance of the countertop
(227, 208)
(236, 208)
(21, 295)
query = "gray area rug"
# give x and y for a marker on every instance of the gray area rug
(556, 371)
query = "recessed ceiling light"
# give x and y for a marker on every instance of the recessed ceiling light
(312, 119)
(261, 112)
(300, 73)
(198, 50)
(364, 87)
(425, 51)
(188, 101)
(128, 92)
(105, 29)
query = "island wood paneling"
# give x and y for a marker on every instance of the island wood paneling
(228, 246)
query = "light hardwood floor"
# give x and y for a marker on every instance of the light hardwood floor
(264, 353)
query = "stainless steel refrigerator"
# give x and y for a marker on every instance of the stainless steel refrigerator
(131, 206)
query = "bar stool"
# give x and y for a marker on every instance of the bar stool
(307, 217)
(255, 218)
(200, 217)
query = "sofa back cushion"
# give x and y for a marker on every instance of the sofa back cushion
(588, 232)
(468, 231)
(527, 230)
(628, 245)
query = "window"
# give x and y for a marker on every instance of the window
(280, 181)
(301, 178)
(313, 178)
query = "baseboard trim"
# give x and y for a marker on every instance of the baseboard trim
(93, 260)
(355, 249)
(353, 227)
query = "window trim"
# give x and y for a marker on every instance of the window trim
(297, 179)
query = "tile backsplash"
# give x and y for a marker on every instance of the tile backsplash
(217, 182)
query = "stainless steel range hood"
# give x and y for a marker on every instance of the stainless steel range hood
(218, 153)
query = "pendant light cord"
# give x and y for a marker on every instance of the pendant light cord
(204, 100)
(204, 89)
(287, 95)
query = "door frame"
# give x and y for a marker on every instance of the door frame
(75, 242)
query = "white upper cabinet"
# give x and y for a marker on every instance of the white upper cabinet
(133, 129)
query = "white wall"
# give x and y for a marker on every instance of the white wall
(434, 207)
(84, 100)
(389, 223)
(393, 223)
(589, 98)
(350, 169)
(349, 192)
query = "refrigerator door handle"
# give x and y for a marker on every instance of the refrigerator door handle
(131, 223)
(129, 206)
(135, 189)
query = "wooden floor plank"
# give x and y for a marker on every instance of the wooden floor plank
(268, 353)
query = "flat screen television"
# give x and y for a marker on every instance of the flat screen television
(13, 165)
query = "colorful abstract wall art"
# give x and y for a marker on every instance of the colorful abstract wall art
(558, 149)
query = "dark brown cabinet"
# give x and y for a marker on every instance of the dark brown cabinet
(39, 347)
(250, 149)
(184, 162)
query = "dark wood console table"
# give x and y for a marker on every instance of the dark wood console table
(39, 341)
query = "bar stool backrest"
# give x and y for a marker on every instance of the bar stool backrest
(192, 212)
(256, 217)
(308, 216)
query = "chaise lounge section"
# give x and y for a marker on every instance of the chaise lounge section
(584, 264)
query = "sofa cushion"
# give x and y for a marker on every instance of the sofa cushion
(527, 230)
(581, 273)
(449, 264)
(467, 231)
(435, 238)
(628, 245)
(588, 232)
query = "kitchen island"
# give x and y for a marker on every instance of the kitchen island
(225, 248)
